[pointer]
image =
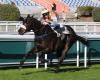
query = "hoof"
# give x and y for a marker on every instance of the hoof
(20, 67)
(43, 61)
(56, 70)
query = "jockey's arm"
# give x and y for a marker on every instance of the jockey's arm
(46, 21)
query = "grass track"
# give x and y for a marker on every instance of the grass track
(66, 73)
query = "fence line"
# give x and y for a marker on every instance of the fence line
(79, 27)
(85, 27)
(9, 26)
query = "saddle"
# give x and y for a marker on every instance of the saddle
(60, 30)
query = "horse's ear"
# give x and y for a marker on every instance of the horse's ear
(21, 18)
(28, 16)
(32, 16)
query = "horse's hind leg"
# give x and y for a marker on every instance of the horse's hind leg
(62, 56)
(71, 40)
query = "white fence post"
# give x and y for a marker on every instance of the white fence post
(45, 62)
(77, 53)
(85, 56)
(37, 60)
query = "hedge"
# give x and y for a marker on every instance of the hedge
(85, 11)
(96, 14)
(9, 12)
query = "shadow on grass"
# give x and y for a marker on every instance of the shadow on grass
(51, 70)
(15, 67)
(67, 70)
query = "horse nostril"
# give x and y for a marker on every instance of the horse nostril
(21, 33)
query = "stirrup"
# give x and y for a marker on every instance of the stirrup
(58, 34)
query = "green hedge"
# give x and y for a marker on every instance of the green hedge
(85, 10)
(9, 12)
(96, 14)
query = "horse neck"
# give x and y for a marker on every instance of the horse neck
(43, 30)
(35, 25)
(40, 29)
(48, 29)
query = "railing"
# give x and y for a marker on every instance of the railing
(9, 26)
(79, 27)
(85, 27)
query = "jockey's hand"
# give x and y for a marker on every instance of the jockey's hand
(45, 23)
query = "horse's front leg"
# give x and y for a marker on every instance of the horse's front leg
(41, 58)
(33, 50)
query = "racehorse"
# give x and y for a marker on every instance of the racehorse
(47, 41)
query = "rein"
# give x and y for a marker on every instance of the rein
(43, 35)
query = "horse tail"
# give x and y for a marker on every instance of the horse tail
(70, 29)
(82, 39)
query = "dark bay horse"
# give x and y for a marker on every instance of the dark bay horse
(46, 39)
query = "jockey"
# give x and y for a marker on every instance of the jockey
(50, 19)
(54, 18)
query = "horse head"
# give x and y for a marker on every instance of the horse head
(25, 26)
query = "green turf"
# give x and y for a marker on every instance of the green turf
(66, 73)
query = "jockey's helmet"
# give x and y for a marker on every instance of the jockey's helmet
(45, 12)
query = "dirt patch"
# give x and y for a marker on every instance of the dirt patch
(86, 19)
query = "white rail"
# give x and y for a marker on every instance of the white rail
(85, 27)
(9, 26)
(80, 27)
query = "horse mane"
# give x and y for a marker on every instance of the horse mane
(37, 23)
(21, 18)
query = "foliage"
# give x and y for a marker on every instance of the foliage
(96, 14)
(85, 11)
(9, 12)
